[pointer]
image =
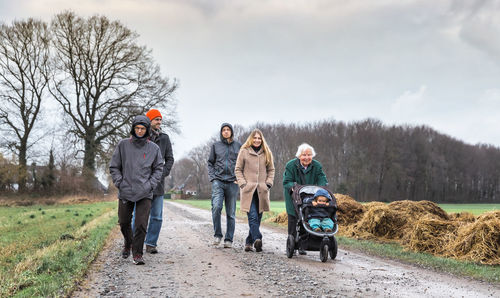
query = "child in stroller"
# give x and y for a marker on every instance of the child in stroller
(307, 238)
(318, 218)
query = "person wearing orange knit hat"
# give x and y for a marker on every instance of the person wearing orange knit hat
(156, 215)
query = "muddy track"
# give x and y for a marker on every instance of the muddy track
(188, 266)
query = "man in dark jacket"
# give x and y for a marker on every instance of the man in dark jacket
(221, 163)
(156, 215)
(136, 169)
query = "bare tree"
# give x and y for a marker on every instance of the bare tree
(199, 157)
(24, 72)
(104, 79)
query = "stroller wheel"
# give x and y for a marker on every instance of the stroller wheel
(333, 248)
(290, 246)
(323, 253)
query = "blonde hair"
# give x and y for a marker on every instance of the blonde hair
(265, 148)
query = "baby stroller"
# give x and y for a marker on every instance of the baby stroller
(306, 237)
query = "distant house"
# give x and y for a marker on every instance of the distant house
(184, 190)
(190, 192)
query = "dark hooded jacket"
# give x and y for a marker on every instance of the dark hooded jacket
(222, 158)
(136, 165)
(163, 141)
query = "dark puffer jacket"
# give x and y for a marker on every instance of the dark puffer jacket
(222, 158)
(163, 141)
(137, 165)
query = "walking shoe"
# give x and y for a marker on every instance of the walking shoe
(228, 244)
(151, 249)
(328, 230)
(258, 245)
(216, 241)
(138, 260)
(125, 252)
(248, 247)
(302, 252)
(317, 230)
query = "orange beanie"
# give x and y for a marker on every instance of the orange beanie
(153, 113)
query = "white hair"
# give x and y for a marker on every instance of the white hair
(303, 147)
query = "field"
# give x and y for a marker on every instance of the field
(475, 209)
(45, 249)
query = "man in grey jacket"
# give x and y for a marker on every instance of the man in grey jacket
(221, 163)
(156, 213)
(136, 168)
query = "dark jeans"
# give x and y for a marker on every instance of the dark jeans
(254, 219)
(125, 209)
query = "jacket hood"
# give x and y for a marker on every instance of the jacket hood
(230, 127)
(322, 192)
(141, 120)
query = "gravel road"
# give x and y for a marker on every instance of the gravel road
(188, 266)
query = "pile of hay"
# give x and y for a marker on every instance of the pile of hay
(431, 235)
(464, 216)
(349, 211)
(281, 219)
(380, 221)
(478, 241)
(423, 226)
(371, 205)
(416, 210)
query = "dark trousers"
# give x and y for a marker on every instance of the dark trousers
(292, 229)
(292, 225)
(125, 209)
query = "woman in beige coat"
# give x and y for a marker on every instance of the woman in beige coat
(255, 174)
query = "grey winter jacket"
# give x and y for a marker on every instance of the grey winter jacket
(163, 141)
(222, 158)
(136, 166)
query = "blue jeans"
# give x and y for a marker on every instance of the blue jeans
(224, 192)
(254, 219)
(155, 221)
(324, 223)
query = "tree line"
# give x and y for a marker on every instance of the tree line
(96, 76)
(371, 161)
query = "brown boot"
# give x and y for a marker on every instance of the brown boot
(258, 245)
(151, 249)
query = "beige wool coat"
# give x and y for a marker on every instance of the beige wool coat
(251, 174)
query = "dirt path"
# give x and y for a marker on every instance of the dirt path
(188, 266)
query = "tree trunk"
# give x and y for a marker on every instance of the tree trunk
(90, 153)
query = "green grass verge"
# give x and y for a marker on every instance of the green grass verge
(395, 251)
(476, 209)
(46, 249)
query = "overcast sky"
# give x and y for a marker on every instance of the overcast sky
(435, 63)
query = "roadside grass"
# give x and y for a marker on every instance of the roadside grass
(393, 251)
(45, 250)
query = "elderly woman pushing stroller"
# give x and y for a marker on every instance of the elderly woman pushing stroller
(303, 170)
